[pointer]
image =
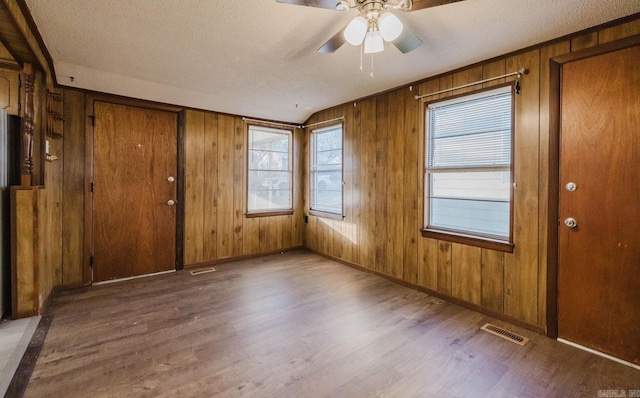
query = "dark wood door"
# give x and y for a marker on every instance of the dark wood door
(134, 228)
(599, 259)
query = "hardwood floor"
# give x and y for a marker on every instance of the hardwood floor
(295, 325)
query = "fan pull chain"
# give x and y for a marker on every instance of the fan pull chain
(361, 55)
(371, 66)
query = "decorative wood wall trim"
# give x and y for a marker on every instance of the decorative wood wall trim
(555, 94)
(27, 125)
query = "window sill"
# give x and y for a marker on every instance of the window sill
(326, 214)
(485, 243)
(269, 213)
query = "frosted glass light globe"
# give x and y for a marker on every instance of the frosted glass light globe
(356, 30)
(390, 26)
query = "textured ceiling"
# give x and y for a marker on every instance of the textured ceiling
(258, 58)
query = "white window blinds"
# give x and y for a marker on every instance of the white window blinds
(474, 132)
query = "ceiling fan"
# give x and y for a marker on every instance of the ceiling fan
(374, 25)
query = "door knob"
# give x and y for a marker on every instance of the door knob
(171, 202)
(571, 186)
(570, 222)
(171, 179)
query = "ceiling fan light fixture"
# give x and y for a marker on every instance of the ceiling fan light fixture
(355, 32)
(373, 42)
(390, 26)
(343, 5)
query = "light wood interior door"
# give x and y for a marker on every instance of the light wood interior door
(135, 159)
(599, 259)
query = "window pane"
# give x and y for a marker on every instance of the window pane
(481, 217)
(494, 185)
(326, 170)
(471, 132)
(269, 173)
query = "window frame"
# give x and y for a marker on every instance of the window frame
(324, 213)
(460, 236)
(267, 212)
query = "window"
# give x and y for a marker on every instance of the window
(468, 167)
(326, 171)
(269, 180)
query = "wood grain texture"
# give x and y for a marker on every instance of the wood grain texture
(25, 252)
(73, 188)
(194, 138)
(466, 273)
(135, 152)
(521, 267)
(609, 269)
(270, 327)
(546, 53)
(619, 32)
(584, 41)
(208, 203)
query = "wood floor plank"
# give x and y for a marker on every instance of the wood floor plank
(295, 324)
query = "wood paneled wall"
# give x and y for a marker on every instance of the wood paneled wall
(215, 194)
(383, 192)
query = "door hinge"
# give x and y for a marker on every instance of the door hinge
(93, 121)
(93, 187)
(91, 261)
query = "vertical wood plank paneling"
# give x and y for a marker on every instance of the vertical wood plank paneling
(299, 159)
(494, 69)
(427, 248)
(25, 264)
(210, 186)
(584, 41)
(73, 188)
(443, 260)
(194, 183)
(546, 53)
(381, 173)
(466, 273)
(619, 32)
(239, 184)
(394, 191)
(492, 289)
(368, 178)
(355, 205)
(411, 186)
(348, 179)
(521, 267)
(226, 211)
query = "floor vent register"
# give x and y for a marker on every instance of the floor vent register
(505, 334)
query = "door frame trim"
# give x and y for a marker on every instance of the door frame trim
(90, 99)
(555, 81)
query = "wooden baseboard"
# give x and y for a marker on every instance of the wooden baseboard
(453, 300)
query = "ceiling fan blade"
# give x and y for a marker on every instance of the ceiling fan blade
(407, 41)
(421, 4)
(328, 4)
(333, 43)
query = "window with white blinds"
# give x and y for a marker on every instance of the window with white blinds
(468, 173)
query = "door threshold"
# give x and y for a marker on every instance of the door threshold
(602, 354)
(132, 277)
